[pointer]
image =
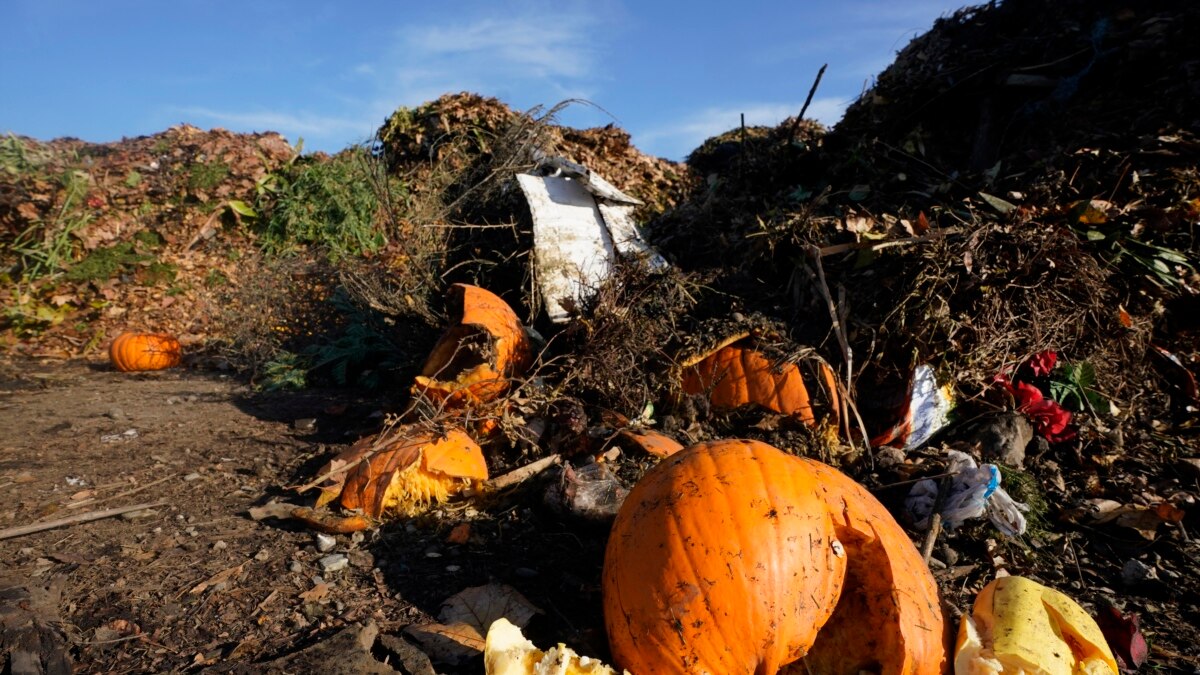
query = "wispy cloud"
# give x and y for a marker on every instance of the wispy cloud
(524, 46)
(288, 124)
(677, 139)
(540, 54)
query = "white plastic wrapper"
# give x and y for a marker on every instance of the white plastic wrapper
(974, 492)
(581, 223)
(928, 408)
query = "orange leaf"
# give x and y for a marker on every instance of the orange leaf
(922, 225)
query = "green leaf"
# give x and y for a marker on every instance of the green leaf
(800, 194)
(242, 208)
(859, 193)
(1095, 235)
(1072, 385)
(1001, 206)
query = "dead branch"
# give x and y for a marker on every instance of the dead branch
(803, 109)
(935, 527)
(121, 494)
(522, 474)
(75, 520)
(878, 245)
(839, 330)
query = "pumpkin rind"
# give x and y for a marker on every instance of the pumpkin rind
(485, 346)
(409, 473)
(731, 557)
(888, 587)
(651, 442)
(735, 375)
(1019, 625)
(721, 560)
(144, 351)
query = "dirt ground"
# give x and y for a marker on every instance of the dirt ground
(153, 591)
(193, 583)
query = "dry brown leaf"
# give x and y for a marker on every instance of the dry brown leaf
(1142, 519)
(479, 606)
(316, 593)
(460, 534)
(448, 644)
(272, 510)
(465, 618)
(219, 577)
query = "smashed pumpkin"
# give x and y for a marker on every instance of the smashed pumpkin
(144, 351)
(404, 473)
(507, 652)
(1020, 626)
(650, 442)
(476, 357)
(735, 375)
(734, 557)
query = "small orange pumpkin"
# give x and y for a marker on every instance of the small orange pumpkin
(734, 557)
(144, 351)
(406, 472)
(736, 374)
(475, 358)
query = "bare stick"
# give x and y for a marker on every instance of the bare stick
(910, 482)
(121, 494)
(524, 473)
(935, 522)
(804, 108)
(935, 527)
(75, 520)
(839, 330)
(879, 245)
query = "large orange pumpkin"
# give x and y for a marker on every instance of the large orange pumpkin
(144, 351)
(736, 374)
(484, 347)
(733, 557)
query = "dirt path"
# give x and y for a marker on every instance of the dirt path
(195, 582)
(194, 576)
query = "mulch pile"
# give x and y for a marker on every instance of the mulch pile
(1022, 179)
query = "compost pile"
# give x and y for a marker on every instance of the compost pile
(1010, 212)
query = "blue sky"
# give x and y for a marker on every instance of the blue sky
(672, 74)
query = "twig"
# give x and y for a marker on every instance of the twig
(910, 482)
(935, 522)
(1075, 558)
(847, 354)
(121, 494)
(812, 91)
(877, 245)
(75, 520)
(935, 528)
(106, 642)
(742, 146)
(524, 473)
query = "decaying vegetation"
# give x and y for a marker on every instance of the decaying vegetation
(1022, 180)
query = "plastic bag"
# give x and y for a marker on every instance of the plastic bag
(974, 492)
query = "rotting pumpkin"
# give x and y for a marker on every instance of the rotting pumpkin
(733, 557)
(736, 374)
(144, 351)
(480, 352)
(404, 472)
